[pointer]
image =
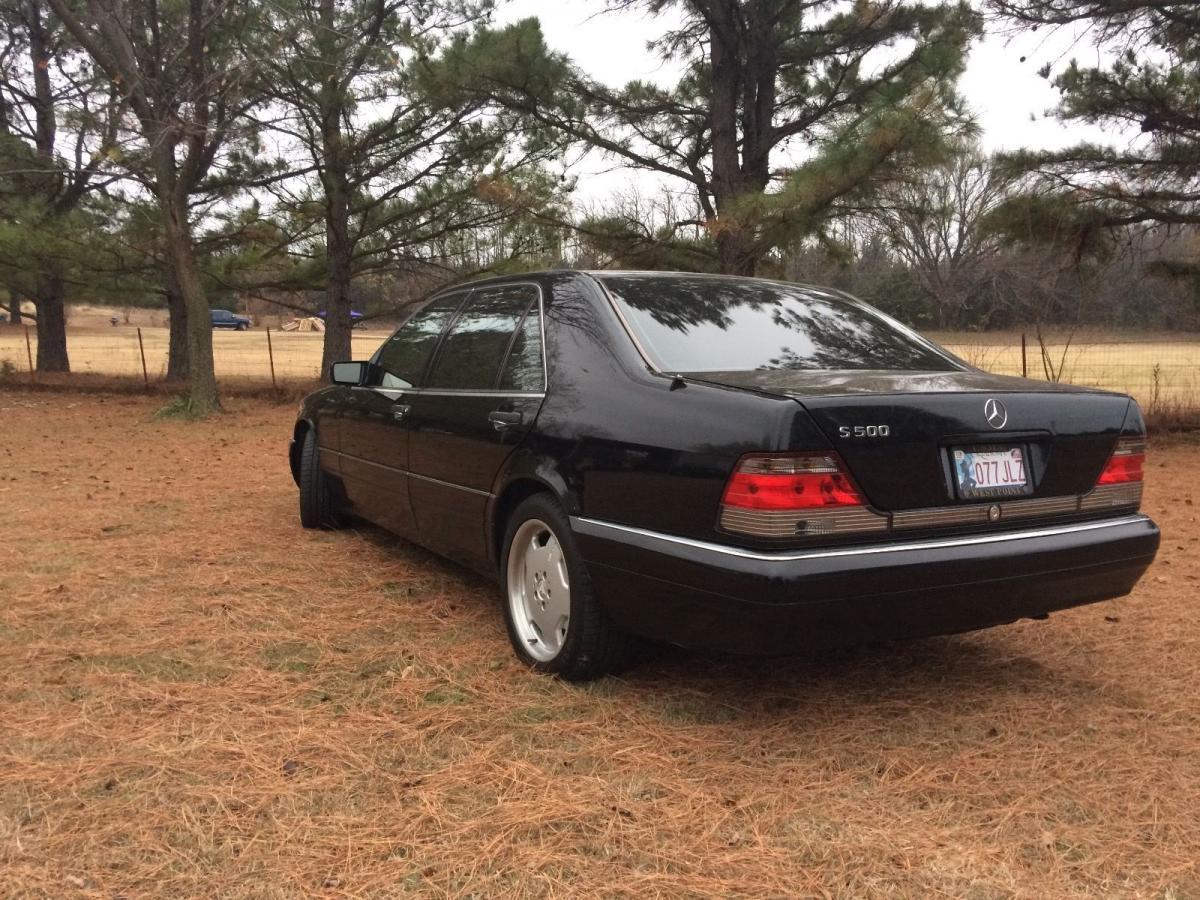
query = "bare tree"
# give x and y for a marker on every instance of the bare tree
(933, 222)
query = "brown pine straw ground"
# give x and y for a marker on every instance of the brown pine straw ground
(198, 698)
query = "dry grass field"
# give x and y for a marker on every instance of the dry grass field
(1161, 371)
(238, 354)
(199, 698)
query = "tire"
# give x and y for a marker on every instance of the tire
(574, 638)
(243, 327)
(318, 502)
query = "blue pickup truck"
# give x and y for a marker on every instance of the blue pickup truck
(223, 318)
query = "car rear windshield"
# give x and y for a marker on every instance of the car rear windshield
(731, 325)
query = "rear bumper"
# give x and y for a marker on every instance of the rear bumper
(713, 596)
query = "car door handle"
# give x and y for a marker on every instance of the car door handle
(399, 411)
(502, 419)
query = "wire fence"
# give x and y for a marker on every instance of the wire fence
(259, 354)
(1163, 374)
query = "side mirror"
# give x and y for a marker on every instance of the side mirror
(352, 373)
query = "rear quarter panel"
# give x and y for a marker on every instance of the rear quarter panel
(622, 444)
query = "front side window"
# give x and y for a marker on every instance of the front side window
(697, 324)
(403, 356)
(479, 339)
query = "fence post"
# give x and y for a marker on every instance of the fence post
(271, 358)
(142, 351)
(1024, 360)
(29, 354)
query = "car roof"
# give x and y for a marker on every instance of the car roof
(626, 273)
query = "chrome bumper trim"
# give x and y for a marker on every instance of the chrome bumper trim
(804, 522)
(1107, 496)
(596, 527)
(977, 513)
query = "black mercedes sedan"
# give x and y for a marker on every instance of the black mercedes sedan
(722, 463)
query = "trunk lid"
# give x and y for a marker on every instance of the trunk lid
(896, 431)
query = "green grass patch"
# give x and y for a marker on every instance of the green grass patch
(181, 409)
(689, 709)
(418, 586)
(290, 656)
(154, 666)
(447, 695)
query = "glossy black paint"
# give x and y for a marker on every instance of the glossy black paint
(617, 442)
(454, 443)
(705, 599)
(1070, 430)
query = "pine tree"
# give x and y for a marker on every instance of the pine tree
(58, 125)
(786, 109)
(179, 68)
(402, 155)
(1148, 81)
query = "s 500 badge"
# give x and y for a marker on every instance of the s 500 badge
(864, 431)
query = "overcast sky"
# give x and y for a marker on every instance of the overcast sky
(1011, 101)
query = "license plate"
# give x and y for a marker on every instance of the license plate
(995, 472)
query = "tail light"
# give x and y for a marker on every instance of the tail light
(795, 494)
(1126, 463)
(1120, 484)
(790, 482)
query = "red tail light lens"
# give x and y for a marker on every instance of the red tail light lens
(809, 481)
(1126, 463)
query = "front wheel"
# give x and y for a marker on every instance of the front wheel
(318, 502)
(554, 620)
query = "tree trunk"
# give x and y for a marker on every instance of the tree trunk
(14, 307)
(734, 255)
(339, 249)
(337, 287)
(177, 345)
(740, 161)
(726, 174)
(51, 326)
(337, 346)
(48, 292)
(202, 379)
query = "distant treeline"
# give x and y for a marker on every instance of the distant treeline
(339, 155)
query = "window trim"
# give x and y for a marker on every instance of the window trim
(495, 386)
(651, 366)
(508, 348)
(513, 342)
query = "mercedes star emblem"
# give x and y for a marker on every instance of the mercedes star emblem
(995, 413)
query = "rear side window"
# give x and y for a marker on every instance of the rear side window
(479, 339)
(731, 325)
(524, 370)
(404, 354)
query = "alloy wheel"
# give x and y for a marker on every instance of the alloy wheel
(539, 590)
